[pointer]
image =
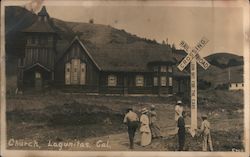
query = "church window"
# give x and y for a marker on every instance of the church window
(170, 81)
(170, 69)
(163, 68)
(163, 81)
(33, 40)
(155, 81)
(155, 68)
(112, 80)
(83, 74)
(37, 75)
(139, 80)
(29, 40)
(67, 73)
(75, 72)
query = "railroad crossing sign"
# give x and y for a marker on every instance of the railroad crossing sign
(193, 57)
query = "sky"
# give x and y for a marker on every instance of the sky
(222, 26)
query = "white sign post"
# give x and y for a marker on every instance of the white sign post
(193, 57)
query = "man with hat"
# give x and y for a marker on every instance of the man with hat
(132, 120)
(205, 132)
(178, 110)
(181, 131)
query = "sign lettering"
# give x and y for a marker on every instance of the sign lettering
(194, 54)
(193, 57)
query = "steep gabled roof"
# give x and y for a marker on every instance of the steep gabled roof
(41, 26)
(133, 57)
(43, 12)
(76, 39)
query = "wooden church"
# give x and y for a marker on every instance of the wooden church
(81, 67)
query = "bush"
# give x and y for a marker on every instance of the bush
(223, 86)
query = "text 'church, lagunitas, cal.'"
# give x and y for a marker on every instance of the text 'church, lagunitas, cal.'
(55, 58)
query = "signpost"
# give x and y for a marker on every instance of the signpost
(193, 57)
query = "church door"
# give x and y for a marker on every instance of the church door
(38, 81)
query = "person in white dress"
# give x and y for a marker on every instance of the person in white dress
(145, 129)
(155, 129)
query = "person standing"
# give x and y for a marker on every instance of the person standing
(144, 129)
(181, 131)
(155, 129)
(205, 132)
(132, 120)
(178, 109)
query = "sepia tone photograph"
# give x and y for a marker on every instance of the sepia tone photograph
(124, 76)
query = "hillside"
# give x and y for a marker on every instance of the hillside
(217, 76)
(218, 59)
(105, 41)
(225, 68)
(225, 60)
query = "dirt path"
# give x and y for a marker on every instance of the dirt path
(121, 142)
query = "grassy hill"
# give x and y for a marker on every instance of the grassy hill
(94, 36)
(65, 117)
(218, 76)
(225, 60)
(99, 36)
(218, 73)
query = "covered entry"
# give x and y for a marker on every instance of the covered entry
(37, 77)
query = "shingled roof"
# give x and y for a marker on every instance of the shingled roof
(41, 26)
(133, 57)
(126, 57)
(111, 49)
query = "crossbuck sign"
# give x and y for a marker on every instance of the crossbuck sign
(193, 57)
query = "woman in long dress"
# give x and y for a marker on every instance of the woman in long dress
(144, 129)
(155, 129)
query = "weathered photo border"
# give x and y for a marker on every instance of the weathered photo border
(244, 4)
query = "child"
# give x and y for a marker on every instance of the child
(205, 132)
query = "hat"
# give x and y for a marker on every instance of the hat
(144, 110)
(203, 116)
(129, 109)
(152, 106)
(179, 102)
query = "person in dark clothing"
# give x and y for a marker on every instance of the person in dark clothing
(132, 121)
(181, 131)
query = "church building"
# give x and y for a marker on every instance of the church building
(82, 66)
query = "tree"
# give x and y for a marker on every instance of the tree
(163, 42)
(173, 46)
(91, 20)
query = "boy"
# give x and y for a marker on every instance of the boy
(205, 132)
